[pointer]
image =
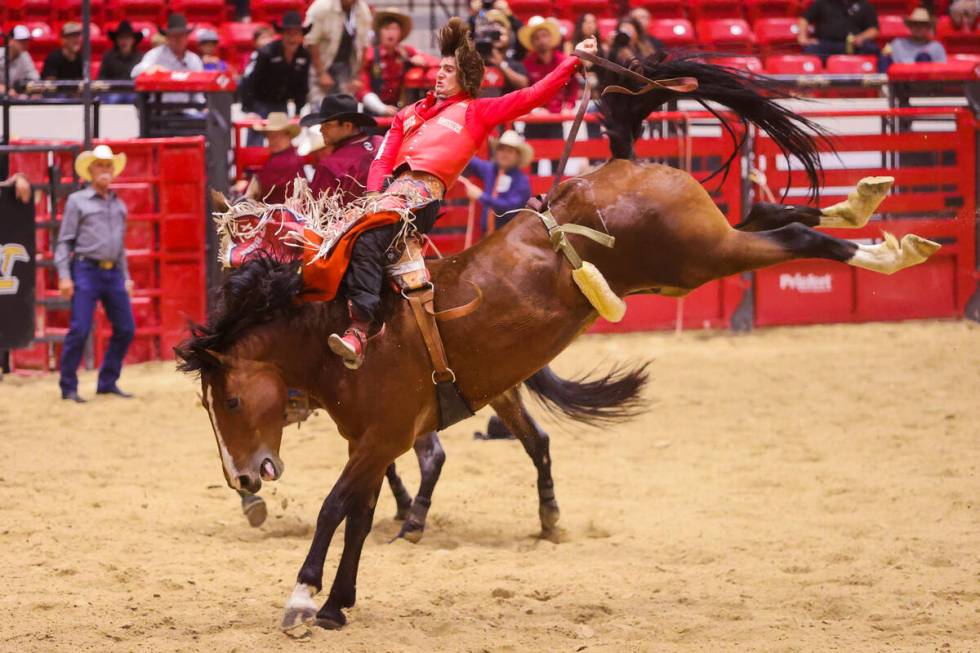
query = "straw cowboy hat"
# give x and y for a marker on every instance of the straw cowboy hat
(538, 23)
(920, 16)
(312, 142)
(278, 122)
(512, 139)
(99, 153)
(383, 15)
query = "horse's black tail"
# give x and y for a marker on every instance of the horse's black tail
(614, 397)
(752, 98)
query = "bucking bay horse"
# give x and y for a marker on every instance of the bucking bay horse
(670, 237)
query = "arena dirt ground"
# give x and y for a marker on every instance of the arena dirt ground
(806, 489)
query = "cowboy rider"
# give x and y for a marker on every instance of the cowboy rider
(426, 149)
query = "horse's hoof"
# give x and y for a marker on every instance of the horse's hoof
(411, 531)
(549, 514)
(917, 249)
(330, 618)
(254, 509)
(300, 609)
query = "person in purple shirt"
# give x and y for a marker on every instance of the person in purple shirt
(273, 183)
(343, 129)
(505, 186)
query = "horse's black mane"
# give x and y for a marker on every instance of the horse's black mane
(261, 290)
(751, 97)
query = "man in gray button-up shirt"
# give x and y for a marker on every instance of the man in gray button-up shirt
(21, 65)
(91, 261)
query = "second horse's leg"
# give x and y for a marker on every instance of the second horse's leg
(403, 499)
(510, 408)
(431, 457)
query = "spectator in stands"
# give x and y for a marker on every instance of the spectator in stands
(352, 147)
(119, 61)
(481, 11)
(21, 65)
(91, 260)
(586, 25)
(919, 46)
(542, 37)
(503, 55)
(641, 16)
(383, 73)
(963, 14)
(273, 183)
(278, 73)
(840, 27)
(630, 43)
(173, 55)
(340, 30)
(207, 44)
(505, 185)
(65, 63)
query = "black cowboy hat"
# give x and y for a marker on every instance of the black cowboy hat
(341, 107)
(291, 19)
(125, 29)
(176, 24)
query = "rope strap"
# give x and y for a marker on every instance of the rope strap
(559, 241)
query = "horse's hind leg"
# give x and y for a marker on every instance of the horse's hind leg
(403, 500)
(852, 213)
(431, 457)
(510, 408)
(742, 251)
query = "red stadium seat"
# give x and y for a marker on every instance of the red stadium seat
(710, 9)
(39, 10)
(146, 28)
(43, 39)
(524, 9)
(672, 32)
(728, 34)
(756, 9)
(894, 7)
(271, 11)
(975, 58)
(891, 27)
(751, 64)
(607, 29)
(662, 8)
(567, 28)
(794, 64)
(574, 8)
(964, 41)
(201, 11)
(852, 64)
(65, 10)
(152, 11)
(777, 34)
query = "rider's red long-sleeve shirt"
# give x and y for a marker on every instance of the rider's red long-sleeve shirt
(441, 136)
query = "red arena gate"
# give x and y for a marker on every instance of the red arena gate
(934, 196)
(163, 186)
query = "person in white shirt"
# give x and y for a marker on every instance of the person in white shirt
(173, 55)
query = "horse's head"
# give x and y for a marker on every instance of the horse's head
(246, 401)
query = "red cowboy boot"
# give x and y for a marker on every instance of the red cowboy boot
(352, 344)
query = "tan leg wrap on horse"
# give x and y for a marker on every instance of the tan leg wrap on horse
(593, 285)
(890, 256)
(860, 205)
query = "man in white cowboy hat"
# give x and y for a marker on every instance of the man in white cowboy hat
(542, 37)
(919, 46)
(273, 183)
(346, 131)
(505, 185)
(21, 65)
(91, 261)
(385, 63)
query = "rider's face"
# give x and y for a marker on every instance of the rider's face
(447, 79)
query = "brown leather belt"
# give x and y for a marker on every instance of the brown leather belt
(103, 265)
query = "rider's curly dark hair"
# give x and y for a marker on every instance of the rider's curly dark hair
(454, 41)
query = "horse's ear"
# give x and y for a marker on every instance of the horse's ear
(215, 357)
(218, 201)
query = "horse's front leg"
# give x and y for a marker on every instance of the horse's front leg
(354, 493)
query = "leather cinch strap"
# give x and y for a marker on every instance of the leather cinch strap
(556, 232)
(458, 312)
(418, 300)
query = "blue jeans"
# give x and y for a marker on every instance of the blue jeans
(93, 284)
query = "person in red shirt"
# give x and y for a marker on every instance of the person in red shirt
(542, 37)
(353, 149)
(426, 149)
(273, 183)
(383, 74)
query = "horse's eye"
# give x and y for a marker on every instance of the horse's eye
(233, 403)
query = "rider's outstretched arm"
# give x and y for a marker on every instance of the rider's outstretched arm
(495, 111)
(384, 161)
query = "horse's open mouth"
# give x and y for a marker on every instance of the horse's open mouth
(268, 471)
